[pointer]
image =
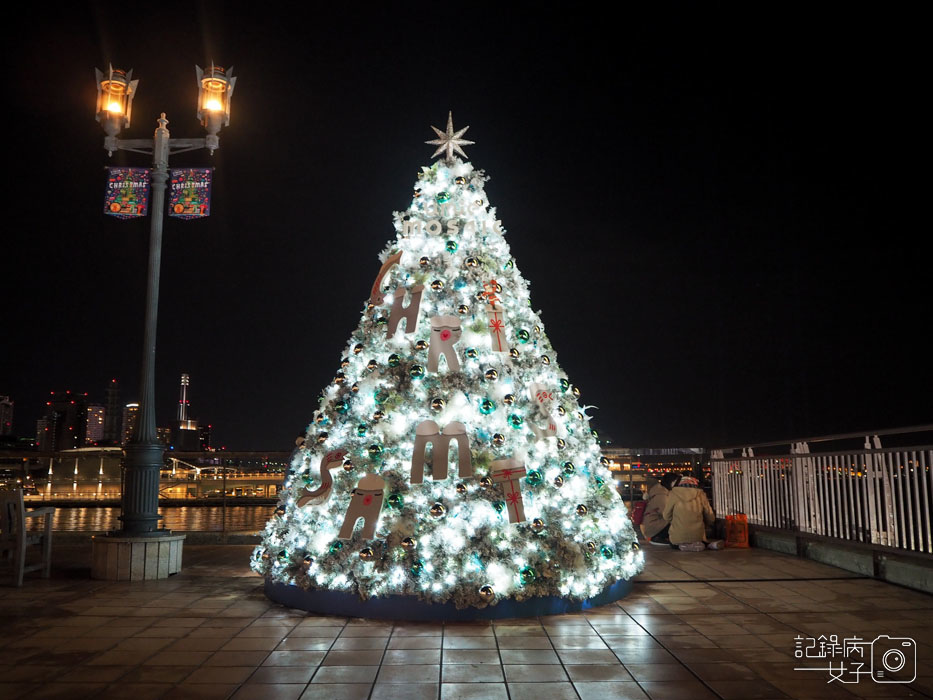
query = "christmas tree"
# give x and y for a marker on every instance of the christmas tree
(451, 432)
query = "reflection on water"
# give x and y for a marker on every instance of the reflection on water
(238, 518)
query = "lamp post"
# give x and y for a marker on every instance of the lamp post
(115, 92)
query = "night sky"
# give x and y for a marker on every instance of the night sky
(718, 207)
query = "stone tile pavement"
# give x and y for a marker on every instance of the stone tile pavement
(697, 625)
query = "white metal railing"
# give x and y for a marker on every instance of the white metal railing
(874, 495)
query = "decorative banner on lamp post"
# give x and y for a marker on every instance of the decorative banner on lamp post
(127, 194)
(190, 193)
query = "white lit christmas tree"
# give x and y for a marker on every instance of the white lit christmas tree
(450, 460)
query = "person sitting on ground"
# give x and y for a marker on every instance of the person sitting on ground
(688, 512)
(653, 525)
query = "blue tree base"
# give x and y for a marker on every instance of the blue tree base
(397, 607)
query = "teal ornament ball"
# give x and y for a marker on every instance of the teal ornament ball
(361, 430)
(499, 506)
(336, 547)
(451, 246)
(342, 407)
(380, 396)
(534, 478)
(442, 197)
(417, 568)
(394, 360)
(522, 335)
(516, 420)
(395, 500)
(564, 385)
(526, 575)
(568, 468)
(486, 407)
(416, 372)
(606, 551)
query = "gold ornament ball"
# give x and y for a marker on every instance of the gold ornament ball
(491, 375)
(545, 359)
(438, 510)
(561, 443)
(358, 348)
(355, 388)
(345, 362)
(537, 524)
(463, 309)
(378, 416)
(367, 554)
(498, 439)
(437, 405)
(340, 378)
(421, 345)
(582, 509)
(509, 399)
(485, 482)
(424, 262)
(486, 592)
(460, 180)
(471, 262)
(558, 481)
(321, 438)
(513, 353)
(461, 488)
(371, 365)
(409, 543)
(437, 285)
(347, 465)
(561, 411)
(591, 548)
(576, 391)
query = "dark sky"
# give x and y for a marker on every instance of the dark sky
(718, 206)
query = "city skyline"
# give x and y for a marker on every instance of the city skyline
(720, 227)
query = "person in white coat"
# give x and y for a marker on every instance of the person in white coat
(653, 525)
(689, 513)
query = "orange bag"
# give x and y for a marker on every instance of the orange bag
(737, 530)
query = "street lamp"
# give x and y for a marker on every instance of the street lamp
(115, 92)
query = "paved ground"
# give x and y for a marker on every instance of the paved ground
(697, 625)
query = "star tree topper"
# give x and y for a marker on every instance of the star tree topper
(450, 140)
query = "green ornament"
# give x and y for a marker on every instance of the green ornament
(382, 320)
(417, 567)
(342, 407)
(442, 197)
(516, 420)
(486, 407)
(568, 468)
(564, 385)
(361, 430)
(336, 547)
(499, 506)
(416, 372)
(380, 396)
(522, 335)
(451, 246)
(534, 478)
(394, 360)
(606, 551)
(599, 482)
(526, 575)
(395, 500)
(375, 450)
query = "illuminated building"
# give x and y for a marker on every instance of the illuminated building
(6, 415)
(113, 416)
(130, 416)
(65, 420)
(96, 419)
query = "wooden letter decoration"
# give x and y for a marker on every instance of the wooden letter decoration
(374, 296)
(331, 460)
(409, 313)
(445, 331)
(428, 432)
(366, 503)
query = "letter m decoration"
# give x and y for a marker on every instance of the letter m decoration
(428, 432)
